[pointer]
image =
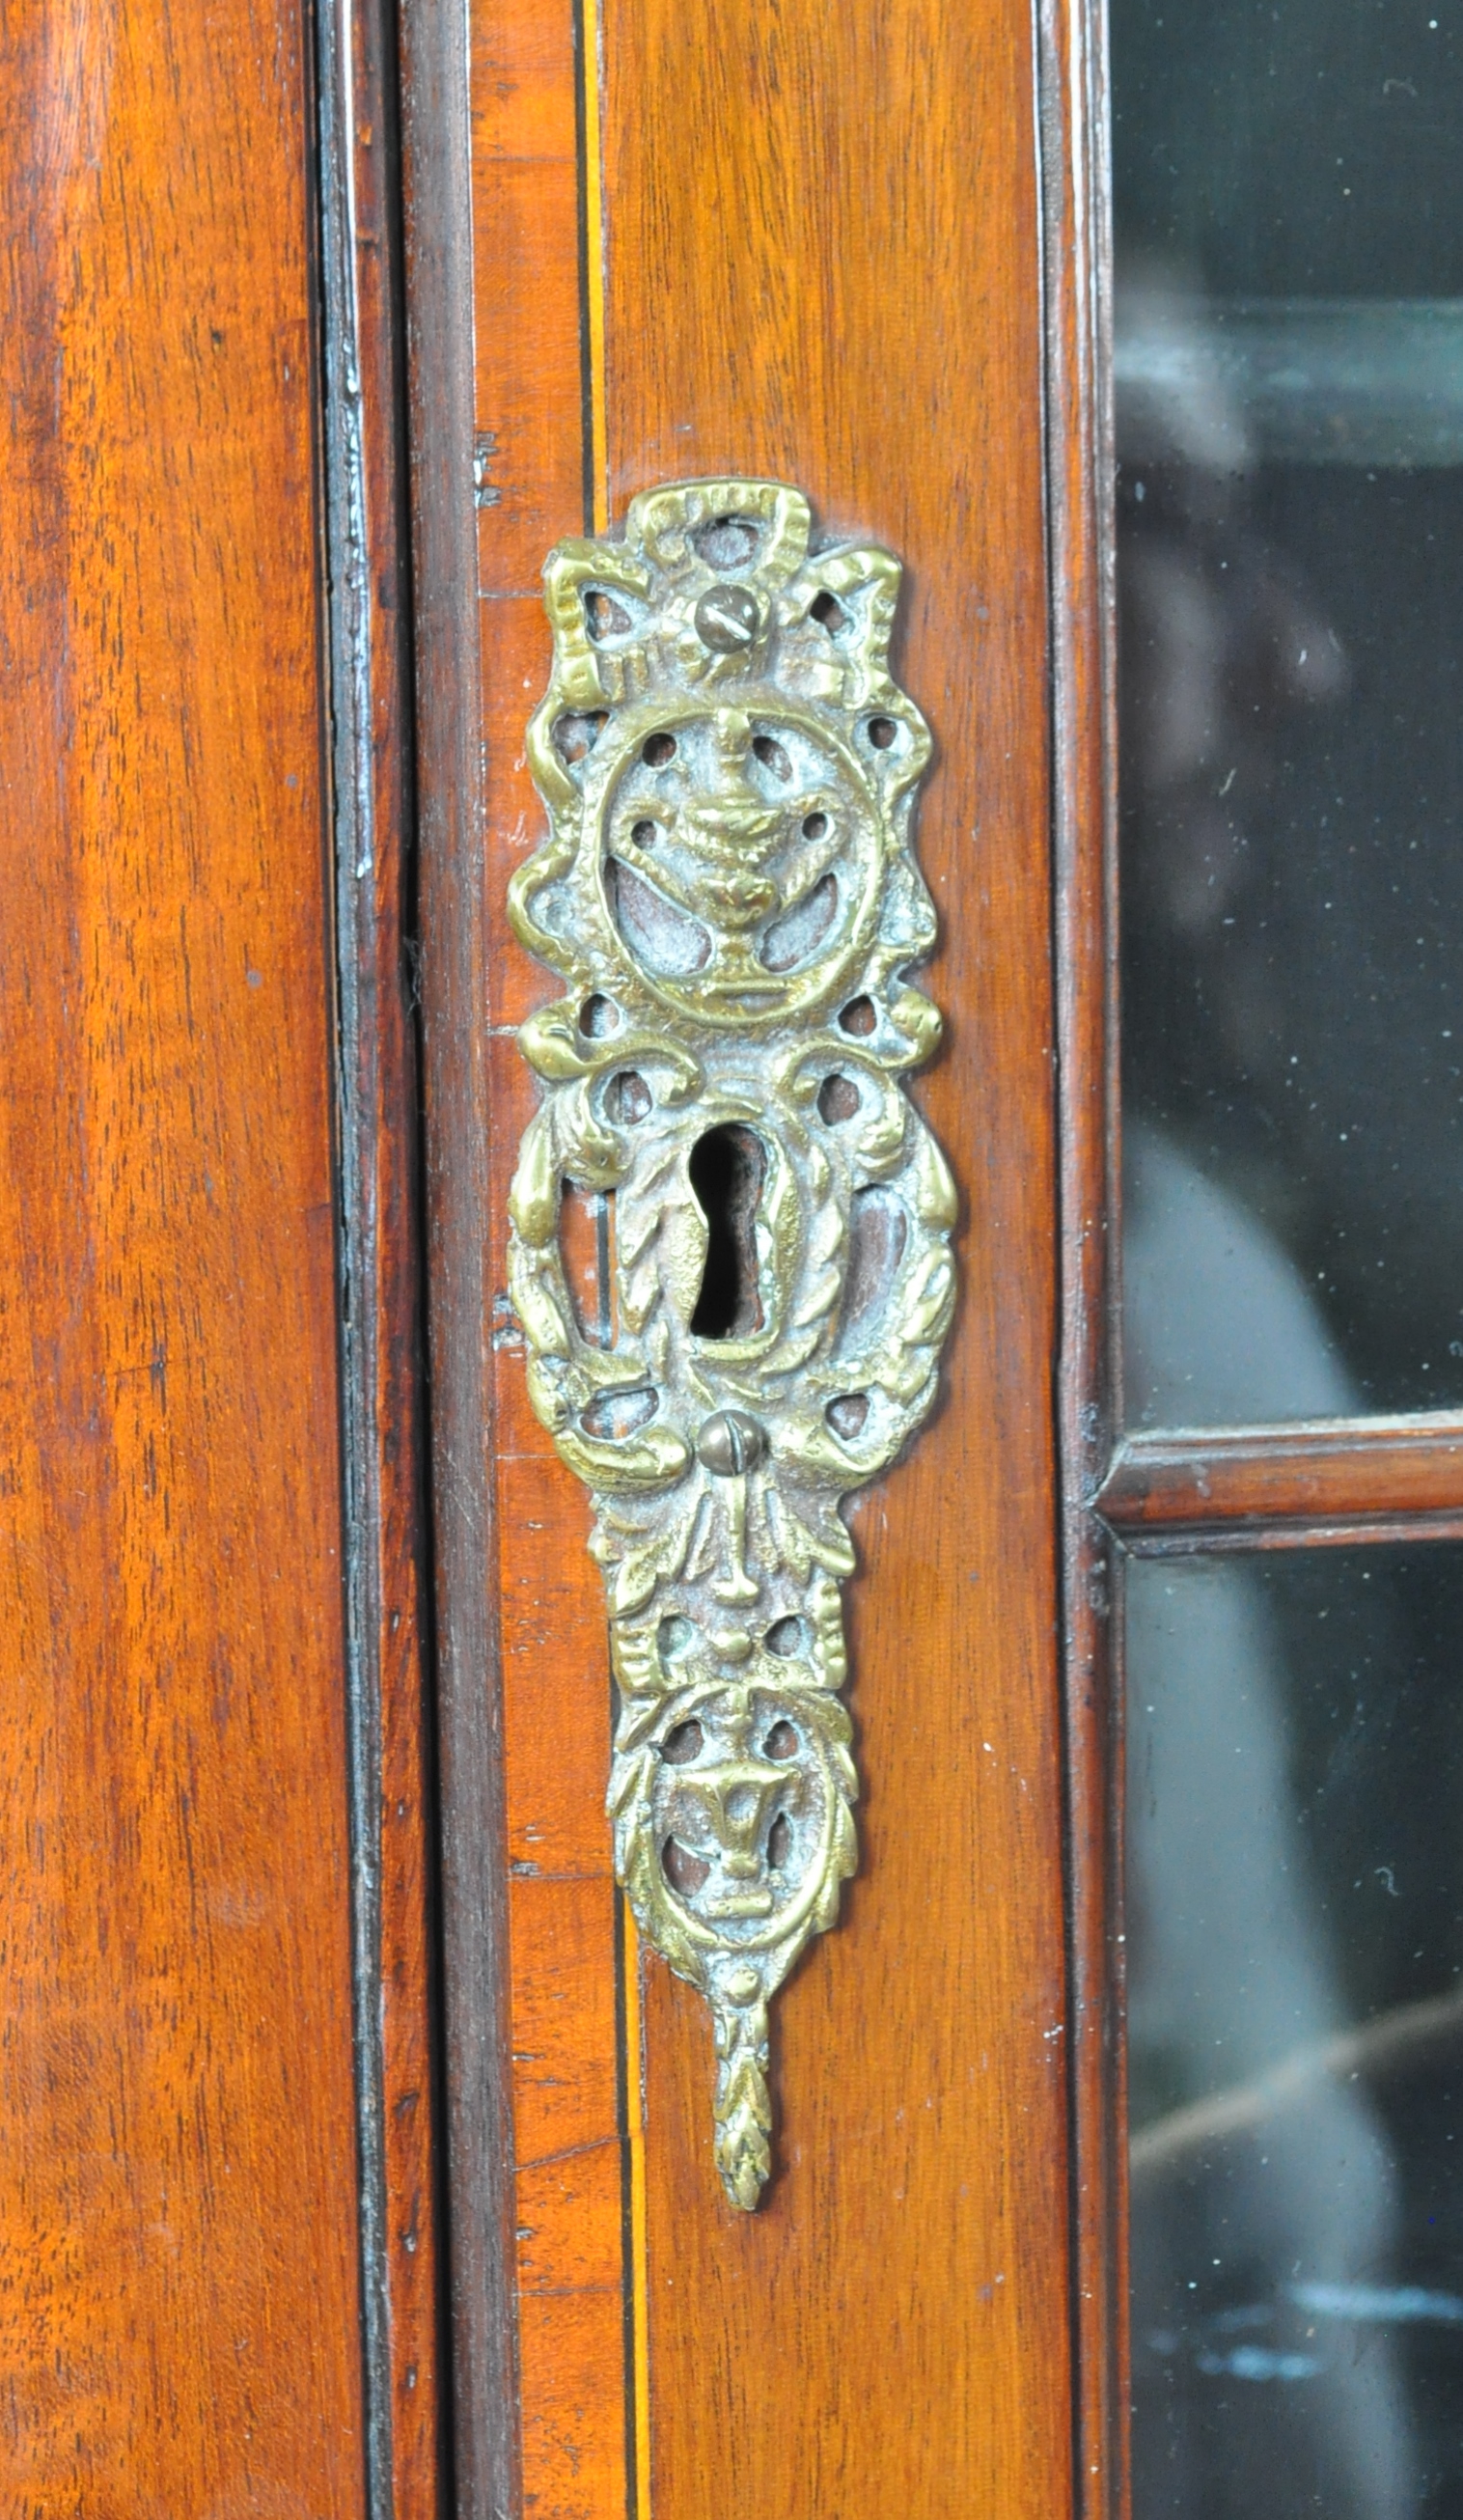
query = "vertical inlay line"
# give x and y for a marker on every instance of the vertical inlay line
(629, 2061)
(594, 265)
(629, 2116)
(635, 2145)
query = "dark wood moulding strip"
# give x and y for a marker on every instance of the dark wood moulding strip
(1071, 71)
(1257, 1487)
(376, 1152)
(456, 1016)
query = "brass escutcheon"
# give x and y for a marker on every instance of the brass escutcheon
(730, 894)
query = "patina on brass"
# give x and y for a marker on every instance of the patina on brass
(730, 895)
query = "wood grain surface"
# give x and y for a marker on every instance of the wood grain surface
(568, 2110)
(786, 290)
(822, 264)
(1257, 1486)
(179, 2300)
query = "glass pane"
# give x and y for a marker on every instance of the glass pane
(1294, 1919)
(1289, 216)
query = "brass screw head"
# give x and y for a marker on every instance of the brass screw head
(730, 1443)
(726, 618)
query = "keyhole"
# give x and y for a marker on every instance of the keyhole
(726, 1166)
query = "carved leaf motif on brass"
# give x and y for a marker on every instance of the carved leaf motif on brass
(730, 895)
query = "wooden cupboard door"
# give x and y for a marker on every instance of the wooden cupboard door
(181, 2315)
(211, 1675)
(647, 245)
(620, 245)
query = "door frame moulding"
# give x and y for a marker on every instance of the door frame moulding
(366, 635)
(1076, 206)
(439, 271)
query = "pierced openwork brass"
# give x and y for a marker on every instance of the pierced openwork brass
(730, 894)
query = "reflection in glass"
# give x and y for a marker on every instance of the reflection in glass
(1295, 1921)
(1289, 373)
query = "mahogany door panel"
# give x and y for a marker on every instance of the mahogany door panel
(836, 309)
(790, 246)
(180, 2309)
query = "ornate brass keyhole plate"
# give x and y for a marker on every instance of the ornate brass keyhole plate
(729, 893)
